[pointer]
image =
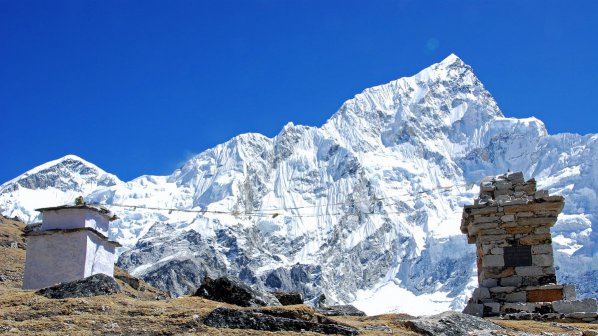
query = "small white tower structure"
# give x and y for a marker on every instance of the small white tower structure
(71, 244)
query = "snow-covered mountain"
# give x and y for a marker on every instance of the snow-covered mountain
(55, 182)
(351, 209)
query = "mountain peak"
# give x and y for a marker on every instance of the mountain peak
(65, 159)
(452, 59)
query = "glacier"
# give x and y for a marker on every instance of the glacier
(364, 209)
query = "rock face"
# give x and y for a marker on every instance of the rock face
(288, 298)
(236, 319)
(342, 310)
(97, 284)
(450, 324)
(235, 292)
(351, 209)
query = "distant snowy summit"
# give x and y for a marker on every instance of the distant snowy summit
(367, 206)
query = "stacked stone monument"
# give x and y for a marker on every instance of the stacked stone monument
(510, 224)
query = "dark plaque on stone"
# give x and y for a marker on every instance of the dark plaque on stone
(518, 256)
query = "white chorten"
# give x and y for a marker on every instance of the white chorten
(71, 244)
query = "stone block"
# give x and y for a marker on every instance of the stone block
(544, 206)
(516, 177)
(507, 218)
(492, 238)
(492, 231)
(536, 239)
(546, 214)
(536, 221)
(474, 309)
(519, 307)
(541, 230)
(514, 281)
(552, 286)
(514, 201)
(475, 228)
(549, 270)
(582, 315)
(503, 185)
(502, 289)
(542, 249)
(485, 248)
(569, 292)
(508, 224)
(516, 297)
(497, 250)
(542, 260)
(479, 294)
(575, 306)
(501, 195)
(491, 309)
(538, 280)
(487, 186)
(485, 219)
(519, 230)
(489, 283)
(482, 211)
(541, 194)
(530, 187)
(558, 199)
(525, 214)
(497, 272)
(530, 280)
(529, 271)
(544, 295)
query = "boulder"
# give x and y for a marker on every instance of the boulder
(344, 310)
(288, 298)
(233, 291)
(237, 319)
(450, 324)
(97, 284)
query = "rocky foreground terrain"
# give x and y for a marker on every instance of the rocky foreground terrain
(140, 309)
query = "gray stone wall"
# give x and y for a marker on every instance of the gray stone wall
(510, 225)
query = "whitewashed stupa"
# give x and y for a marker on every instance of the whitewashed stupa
(71, 244)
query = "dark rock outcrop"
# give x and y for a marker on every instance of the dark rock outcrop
(235, 292)
(344, 310)
(97, 284)
(129, 280)
(450, 323)
(288, 298)
(236, 319)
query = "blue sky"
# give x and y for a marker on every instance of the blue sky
(136, 87)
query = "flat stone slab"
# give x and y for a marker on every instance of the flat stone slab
(345, 310)
(450, 324)
(238, 319)
(575, 306)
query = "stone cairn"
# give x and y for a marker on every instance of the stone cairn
(510, 224)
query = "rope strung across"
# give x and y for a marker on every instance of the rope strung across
(275, 212)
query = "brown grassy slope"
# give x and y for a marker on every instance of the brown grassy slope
(136, 312)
